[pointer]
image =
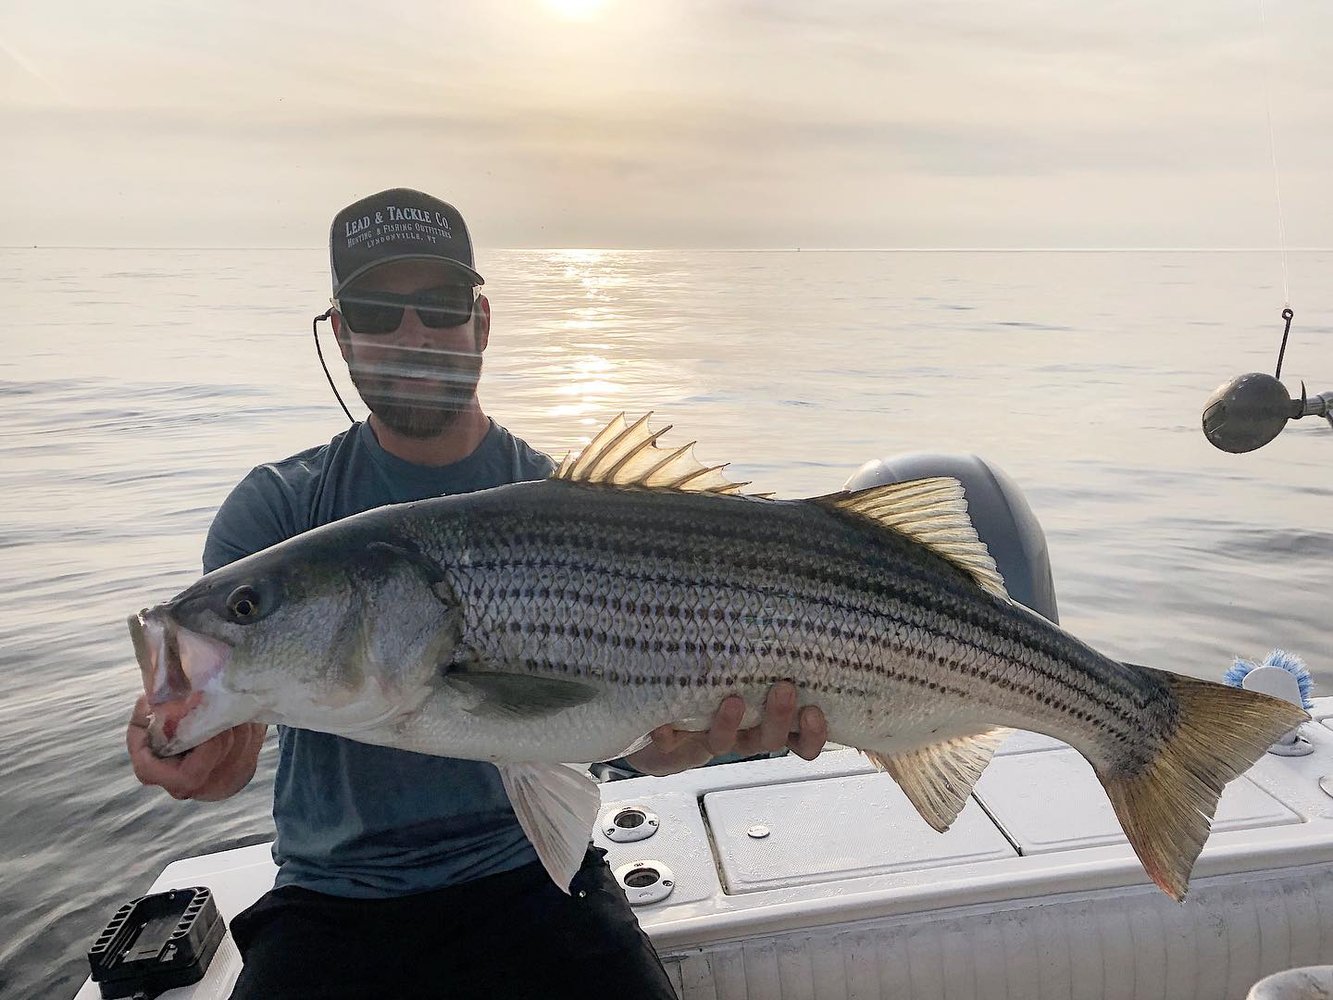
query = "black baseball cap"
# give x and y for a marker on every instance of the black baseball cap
(398, 224)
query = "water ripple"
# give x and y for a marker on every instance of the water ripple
(798, 368)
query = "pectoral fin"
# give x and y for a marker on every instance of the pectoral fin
(939, 778)
(517, 696)
(556, 806)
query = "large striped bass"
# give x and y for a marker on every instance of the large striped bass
(562, 620)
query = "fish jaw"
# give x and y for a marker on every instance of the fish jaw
(161, 683)
(180, 725)
(183, 675)
(173, 660)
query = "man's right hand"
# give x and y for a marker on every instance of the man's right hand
(216, 769)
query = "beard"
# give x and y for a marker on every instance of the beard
(418, 393)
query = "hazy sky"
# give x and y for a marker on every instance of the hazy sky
(670, 123)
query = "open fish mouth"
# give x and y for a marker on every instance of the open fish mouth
(177, 666)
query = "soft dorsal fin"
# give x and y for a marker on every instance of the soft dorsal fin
(627, 455)
(932, 512)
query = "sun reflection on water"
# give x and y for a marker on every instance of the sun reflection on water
(576, 321)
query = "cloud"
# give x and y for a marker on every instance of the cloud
(731, 122)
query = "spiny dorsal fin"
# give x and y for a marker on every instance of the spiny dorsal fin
(939, 778)
(932, 512)
(627, 455)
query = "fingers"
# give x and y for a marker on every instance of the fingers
(139, 715)
(804, 731)
(237, 766)
(136, 732)
(667, 738)
(197, 766)
(674, 750)
(671, 751)
(723, 733)
(777, 722)
(187, 775)
(812, 734)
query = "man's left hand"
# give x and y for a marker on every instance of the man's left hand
(673, 750)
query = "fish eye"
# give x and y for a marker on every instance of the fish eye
(243, 605)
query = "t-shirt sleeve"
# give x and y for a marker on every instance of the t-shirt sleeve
(532, 464)
(256, 514)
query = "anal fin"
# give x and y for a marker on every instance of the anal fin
(939, 778)
(556, 806)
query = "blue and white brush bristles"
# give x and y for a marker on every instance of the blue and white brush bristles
(1289, 662)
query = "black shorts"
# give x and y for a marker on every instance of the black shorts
(512, 935)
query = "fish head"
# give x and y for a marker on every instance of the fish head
(334, 633)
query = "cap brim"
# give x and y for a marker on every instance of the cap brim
(472, 275)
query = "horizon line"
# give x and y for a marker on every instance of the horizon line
(793, 249)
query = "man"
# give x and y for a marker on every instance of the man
(402, 874)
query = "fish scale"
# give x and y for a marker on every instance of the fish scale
(919, 607)
(563, 620)
(547, 563)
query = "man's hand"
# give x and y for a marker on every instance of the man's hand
(673, 750)
(216, 769)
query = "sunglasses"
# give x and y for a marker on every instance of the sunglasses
(382, 312)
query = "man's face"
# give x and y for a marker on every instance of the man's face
(417, 379)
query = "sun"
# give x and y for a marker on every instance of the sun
(576, 10)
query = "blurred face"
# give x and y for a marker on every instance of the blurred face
(416, 375)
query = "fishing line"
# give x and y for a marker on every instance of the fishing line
(1287, 313)
(1250, 410)
(1272, 150)
(314, 328)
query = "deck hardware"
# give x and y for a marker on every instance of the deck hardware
(627, 824)
(645, 881)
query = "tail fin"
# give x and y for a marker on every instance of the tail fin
(1167, 808)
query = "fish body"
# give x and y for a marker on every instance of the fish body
(562, 620)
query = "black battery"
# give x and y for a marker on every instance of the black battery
(156, 943)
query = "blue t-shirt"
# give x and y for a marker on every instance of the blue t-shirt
(355, 819)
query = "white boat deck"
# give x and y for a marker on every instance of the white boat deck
(793, 880)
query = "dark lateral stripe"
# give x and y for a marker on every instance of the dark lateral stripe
(1056, 675)
(986, 666)
(579, 528)
(926, 605)
(939, 590)
(630, 677)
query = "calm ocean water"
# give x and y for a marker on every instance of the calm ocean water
(138, 386)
